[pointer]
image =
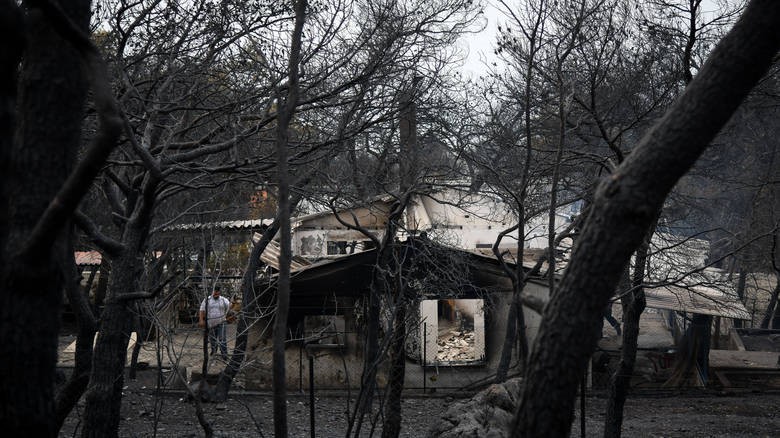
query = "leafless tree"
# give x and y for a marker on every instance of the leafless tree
(627, 201)
(43, 47)
(183, 116)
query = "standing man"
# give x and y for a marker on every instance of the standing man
(216, 307)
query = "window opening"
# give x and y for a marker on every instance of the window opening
(453, 331)
(337, 247)
(341, 247)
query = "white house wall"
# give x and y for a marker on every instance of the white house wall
(367, 218)
(452, 218)
(480, 220)
(532, 319)
(308, 243)
(314, 243)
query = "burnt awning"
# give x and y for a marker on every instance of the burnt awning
(697, 299)
(348, 275)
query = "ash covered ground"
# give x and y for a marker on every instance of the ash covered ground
(690, 414)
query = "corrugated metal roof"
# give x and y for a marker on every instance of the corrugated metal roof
(88, 258)
(270, 256)
(221, 225)
(697, 299)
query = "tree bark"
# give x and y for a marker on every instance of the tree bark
(625, 206)
(371, 350)
(515, 308)
(104, 392)
(249, 307)
(391, 427)
(693, 354)
(515, 325)
(35, 165)
(772, 309)
(633, 305)
(71, 392)
(286, 112)
(12, 42)
(515, 320)
(741, 294)
(379, 285)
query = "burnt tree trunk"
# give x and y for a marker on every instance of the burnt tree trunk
(515, 320)
(371, 351)
(692, 362)
(102, 287)
(624, 207)
(409, 149)
(772, 309)
(104, 393)
(515, 325)
(633, 304)
(37, 152)
(250, 301)
(502, 370)
(286, 111)
(741, 294)
(391, 427)
(379, 285)
(73, 389)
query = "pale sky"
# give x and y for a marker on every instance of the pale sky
(481, 45)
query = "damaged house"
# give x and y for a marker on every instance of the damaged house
(457, 315)
(460, 296)
(457, 318)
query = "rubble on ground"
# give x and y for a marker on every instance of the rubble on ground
(456, 346)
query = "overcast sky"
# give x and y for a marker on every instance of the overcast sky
(481, 45)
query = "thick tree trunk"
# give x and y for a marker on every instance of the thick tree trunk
(692, 362)
(391, 427)
(249, 307)
(34, 167)
(286, 112)
(381, 280)
(71, 392)
(741, 294)
(11, 48)
(510, 339)
(515, 325)
(771, 308)
(102, 287)
(633, 305)
(104, 393)
(370, 356)
(625, 206)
